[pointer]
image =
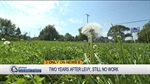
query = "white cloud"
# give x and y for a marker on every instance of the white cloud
(75, 21)
(31, 15)
(33, 7)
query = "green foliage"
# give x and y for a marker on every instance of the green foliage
(81, 36)
(24, 79)
(20, 81)
(49, 33)
(35, 52)
(18, 31)
(69, 37)
(7, 28)
(61, 38)
(116, 30)
(144, 34)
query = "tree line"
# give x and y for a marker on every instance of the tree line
(50, 33)
(9, 31)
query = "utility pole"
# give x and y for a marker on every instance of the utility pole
(87, 17)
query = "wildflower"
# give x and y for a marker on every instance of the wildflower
(97, 77)
(6, 42)
(94, 46)
(93, 28)
(21, 39)
(3, 39)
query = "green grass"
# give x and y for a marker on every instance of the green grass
(35, 52)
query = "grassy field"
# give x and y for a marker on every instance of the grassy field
(35, 52)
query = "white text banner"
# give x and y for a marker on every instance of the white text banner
(74, 69)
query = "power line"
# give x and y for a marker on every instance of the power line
(131, 22)
(135, 21)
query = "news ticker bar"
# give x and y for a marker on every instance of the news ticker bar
(74, 69)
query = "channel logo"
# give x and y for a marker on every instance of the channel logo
(15, 69)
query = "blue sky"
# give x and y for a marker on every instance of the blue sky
(69, 16)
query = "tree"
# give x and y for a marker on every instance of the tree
(35, 38)
(76, 38)
(69, 37)
(118, 30)
(144, 34)
(18, 31)
(24, 36)
(49, 33)
(61, 38)
(7, 28)
(81, 36)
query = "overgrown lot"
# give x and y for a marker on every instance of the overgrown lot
(35, 52)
